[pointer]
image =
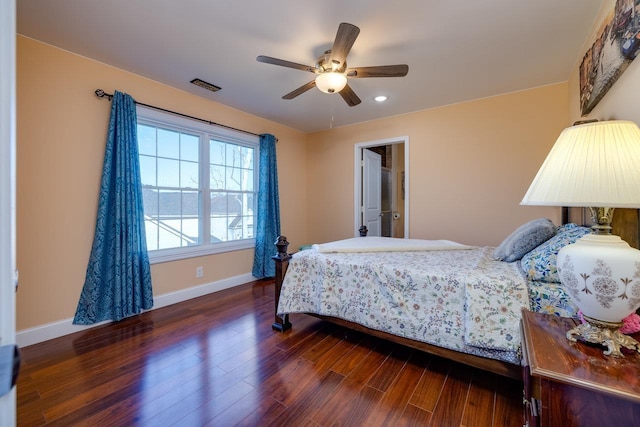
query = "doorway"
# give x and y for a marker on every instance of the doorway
(381, 190)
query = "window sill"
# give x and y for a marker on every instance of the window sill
(167, 255)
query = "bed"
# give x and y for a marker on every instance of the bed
(455, 301)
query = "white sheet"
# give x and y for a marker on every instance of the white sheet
(387, 244)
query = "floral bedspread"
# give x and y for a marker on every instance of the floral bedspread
(457, 299)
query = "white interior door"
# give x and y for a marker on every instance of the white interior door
(7, 193)
(401, 165)
(372, 192)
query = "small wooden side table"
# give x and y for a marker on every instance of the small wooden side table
(574, 384)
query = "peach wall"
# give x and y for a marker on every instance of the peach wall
(470, 164)
(61, 136)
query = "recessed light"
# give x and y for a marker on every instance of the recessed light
(380, 98)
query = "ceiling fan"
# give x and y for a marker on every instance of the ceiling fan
(331, 68)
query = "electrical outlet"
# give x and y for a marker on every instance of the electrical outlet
(199, 272)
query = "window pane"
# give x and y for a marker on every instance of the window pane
(169, 204)
(169, 219)
(247, 154)
(189, 147)
(217, 152)
(240, 216)
(190, 232)
(148, 170)
(218, 229)
(167, 237)
(218, 204)
(146, 140)
(190, 214)
(247, 181)
(235, 204)
(234, 179)
(189, 175)
(235, 228)
(190, 203)
(151, 231)
(150, 202)
(219, 209)
(168, 173)
(241, 227)
(248, 204)
(234, 155)
(168, 144)
(216, 177)
(249, 230)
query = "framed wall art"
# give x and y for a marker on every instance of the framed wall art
(617, 43)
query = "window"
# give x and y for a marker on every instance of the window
(199, 186)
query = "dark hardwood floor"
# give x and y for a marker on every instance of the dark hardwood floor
(214, 361)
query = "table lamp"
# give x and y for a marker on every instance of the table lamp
(596, 165)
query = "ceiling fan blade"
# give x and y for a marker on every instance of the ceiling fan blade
(302, 89)
(399, 70)
(345, 37)
(350, 96)
(288, 64)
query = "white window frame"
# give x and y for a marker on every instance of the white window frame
(147, 116)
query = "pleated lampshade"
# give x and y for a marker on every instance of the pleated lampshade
(593, 164)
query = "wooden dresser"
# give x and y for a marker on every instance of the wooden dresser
(574, 384)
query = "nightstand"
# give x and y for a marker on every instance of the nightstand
(574, 384)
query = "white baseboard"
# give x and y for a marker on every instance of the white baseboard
(53, 330)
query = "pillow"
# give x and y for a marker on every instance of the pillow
(524, 238)
(540, 263)
(570, 226)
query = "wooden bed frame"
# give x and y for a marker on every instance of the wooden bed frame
(625, 225)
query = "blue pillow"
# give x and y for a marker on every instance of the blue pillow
(541, 263)
(524, 238)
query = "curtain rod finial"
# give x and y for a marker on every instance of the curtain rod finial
(100, 94)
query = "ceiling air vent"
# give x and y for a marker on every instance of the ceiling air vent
(205, 85)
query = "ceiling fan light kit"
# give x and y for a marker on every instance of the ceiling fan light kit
(331, 82)
(331, 68)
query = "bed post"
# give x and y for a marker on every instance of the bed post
(281, 259)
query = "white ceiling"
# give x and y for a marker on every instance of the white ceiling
(456, 50)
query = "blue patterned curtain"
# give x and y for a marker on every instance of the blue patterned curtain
(118, 279)
(268, 221)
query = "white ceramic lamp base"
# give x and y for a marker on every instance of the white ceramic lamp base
(602, 275)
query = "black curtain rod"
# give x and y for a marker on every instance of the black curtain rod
(101, 94)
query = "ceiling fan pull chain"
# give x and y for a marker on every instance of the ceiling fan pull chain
(332, 108)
